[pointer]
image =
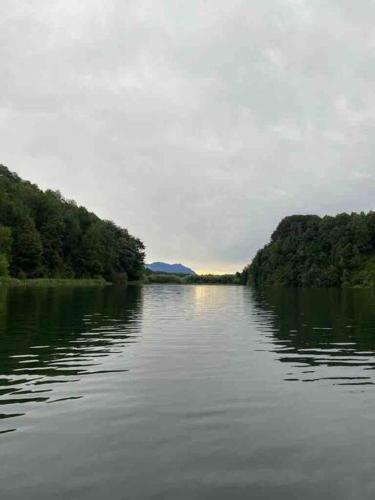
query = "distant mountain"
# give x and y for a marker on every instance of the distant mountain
(162, 267)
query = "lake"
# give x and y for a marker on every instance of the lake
(187, 392)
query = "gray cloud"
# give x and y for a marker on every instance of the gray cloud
(197, 125)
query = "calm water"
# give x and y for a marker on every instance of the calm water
(187, 392)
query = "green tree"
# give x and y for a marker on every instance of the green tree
(42, 234)
(309, 251)
(5, 240)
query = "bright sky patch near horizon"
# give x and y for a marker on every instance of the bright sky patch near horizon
(197, 125)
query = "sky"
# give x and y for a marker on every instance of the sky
(197, 125)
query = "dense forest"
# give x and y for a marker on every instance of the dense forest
(312, 251)
(42, 235)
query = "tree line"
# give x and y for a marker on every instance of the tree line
(43, 235)
(313, 251)
(193, 279)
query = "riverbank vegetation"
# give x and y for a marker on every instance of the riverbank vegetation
(187, 279)
(312, 251)
(43, 235)
(53, 282)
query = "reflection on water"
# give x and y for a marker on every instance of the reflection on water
(55, 336)
(322, 334)
(50, 337)
(179, 392)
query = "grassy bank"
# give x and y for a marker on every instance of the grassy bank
(45, 282)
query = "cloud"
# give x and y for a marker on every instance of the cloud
(197, 125)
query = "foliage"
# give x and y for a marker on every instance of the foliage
(152, 277)
(186, 279)
(42, 235)
(53, 282)
(4, 266)
(215, 279)
(310, 251)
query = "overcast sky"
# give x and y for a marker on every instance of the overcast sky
(196, 124)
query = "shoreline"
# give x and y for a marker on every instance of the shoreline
(89, 283)
(52, 282)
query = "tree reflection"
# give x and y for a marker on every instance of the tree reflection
(332, 328)
(58, 335)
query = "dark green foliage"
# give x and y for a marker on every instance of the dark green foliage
(188, 279)
(152, 277)
(4, 266)
(5, 248)
(215, 279)
(5, 240)
(310, 251)
(27, 251)
(42, 235)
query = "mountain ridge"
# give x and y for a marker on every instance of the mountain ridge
(164, 267)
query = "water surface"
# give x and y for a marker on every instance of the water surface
(187, 392)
